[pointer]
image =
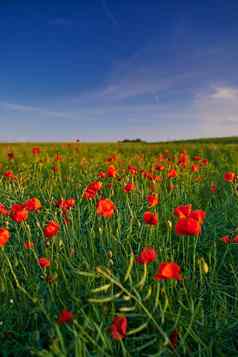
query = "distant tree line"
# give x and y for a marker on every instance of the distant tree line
(138, 140)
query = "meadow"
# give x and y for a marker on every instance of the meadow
(124, 249)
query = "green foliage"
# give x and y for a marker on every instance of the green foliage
(93, 270)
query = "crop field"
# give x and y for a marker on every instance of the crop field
(124, 249)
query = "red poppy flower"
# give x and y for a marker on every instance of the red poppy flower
(10, 175)
(150, 218)
(33, 204)
(195, 168)
(183, 211)
(199, 215)
(66, 204)
(105, 208)
(43, 262)
(197, 158)
(226, 239)
(188, 226)
(69, 203)
(3, 210)
(89, 194)
(36, 150)
(111, 171)
(28, 245)
(235, 239)
(168, 271)
(102, 174)
(51, 229)
(58, 157)
(160, 167)
(213, 188)
(119, 327)
(92, 189)
(132, 170)
(183, 159)
(205, 162)
(229, 176)
(147, 255)
(65, 317)
(172, 173)
(4, 236)
(129, 187)
(19, 213)
(152, 200)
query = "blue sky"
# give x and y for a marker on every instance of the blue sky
(104, 70)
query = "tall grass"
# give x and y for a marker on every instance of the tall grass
(93, 270)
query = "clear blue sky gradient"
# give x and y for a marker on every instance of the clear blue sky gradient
(105, 70)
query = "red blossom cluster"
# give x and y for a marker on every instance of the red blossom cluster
(228, 240)
(92, 189)
(189, 221)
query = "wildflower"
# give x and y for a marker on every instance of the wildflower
(35, 150)
(183, 211)
(10, 175)
(226, 239)
(147, 255)
(19, 213)
(65, 317)
(4, 236)
(58, 157)
(44, 262)
(66, 204)
(187, 226)
(3, 210)
(102, 174)
(51, 229)
(119, 327)
(183, 159)
(229, 176)
(111, 171)
(190, 221)
(172, 173)
(235, 239)
(105, 208)
(28, 245)
(129, 187)
(213, 188)
(92, 189)
(160, 167)
(33, 204)
(132, 170)
(152, 200)
(150, 218)
(199, 215)
(195, 168)
(168, 271)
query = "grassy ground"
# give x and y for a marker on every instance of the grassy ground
(93, 273)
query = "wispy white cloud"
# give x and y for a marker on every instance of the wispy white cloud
(30, 109)
(225, 93)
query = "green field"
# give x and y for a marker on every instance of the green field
(93, 270)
